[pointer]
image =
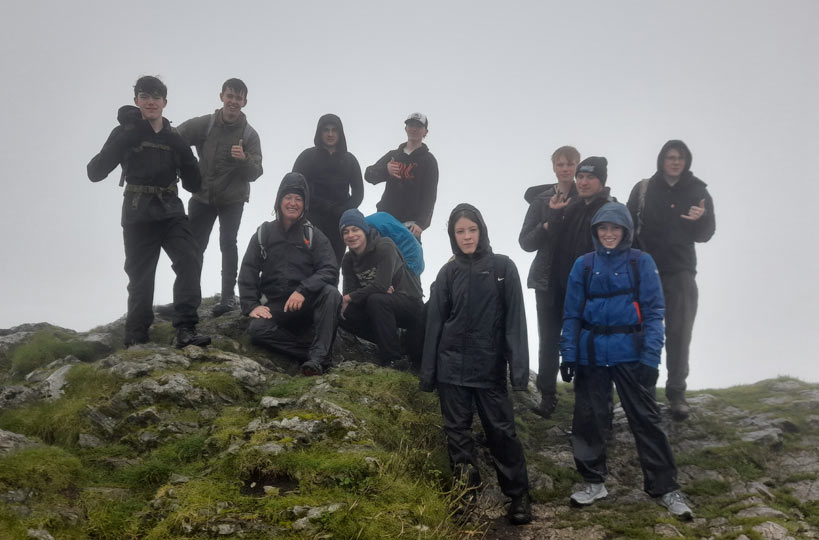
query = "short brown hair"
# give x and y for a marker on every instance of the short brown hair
(569, 152)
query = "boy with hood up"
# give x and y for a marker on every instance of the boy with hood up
(288, 282)
(475, 328)
(672, 210)
(333, 177)
(411, 176)
(153, 217)
(230, 157)
(613, 333)
(380, 292)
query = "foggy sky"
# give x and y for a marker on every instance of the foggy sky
(503, 85)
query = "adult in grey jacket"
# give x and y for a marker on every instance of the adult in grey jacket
(230, 157)
(288, 282)
(476, 327)
(535, 236)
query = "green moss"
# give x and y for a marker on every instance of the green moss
(292, 387)
(746, 459)
(219, 383)
(46, 346)
(44, 469)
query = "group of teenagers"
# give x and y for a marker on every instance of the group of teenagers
(604, 308)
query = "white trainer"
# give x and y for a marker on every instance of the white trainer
(675, 502)
(589, 494)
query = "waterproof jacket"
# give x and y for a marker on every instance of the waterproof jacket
(225, 179)
(378, 267)
(151, 162)
(664, 234)
(603, 297)
(471, 332)
(411, 197)
(297, 259)
(571, 229)
(334, 179)
(533, 237)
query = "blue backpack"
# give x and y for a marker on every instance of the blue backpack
(409, 247)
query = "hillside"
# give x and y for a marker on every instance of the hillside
(230, 442)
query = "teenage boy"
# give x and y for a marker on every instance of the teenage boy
(411, 176)
(153, 217)
(672, 210)
(534, 236)
(230, 157)
(334, 178)
(288, 282)
(380, 292)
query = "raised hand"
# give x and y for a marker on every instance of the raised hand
(559, 201)
(394, 168)
(695, 212)
(237, 151)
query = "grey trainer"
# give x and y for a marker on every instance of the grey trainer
(675, 502)
(589, 494)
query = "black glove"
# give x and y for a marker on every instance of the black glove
(567, 371)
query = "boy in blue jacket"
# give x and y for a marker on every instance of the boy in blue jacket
(613, 332)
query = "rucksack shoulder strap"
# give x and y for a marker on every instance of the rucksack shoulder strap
(641, 205)
(260, 240)
(308, 234)
(634, 261)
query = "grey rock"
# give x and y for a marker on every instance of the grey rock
(274, 404)
(143, 418)
(86, 440)
(251, 374)
(764, 436)
(113, 494)
(666, 530)
(761, 511)
(15, 396)
(11, 442)
(132, 369)
(39, 534)
(771, 530)
(52, 387)
(345, 417)
(101, 420)
(174, 387)
(178, 479)
(16, 495)
(270, 448)
(805, 491)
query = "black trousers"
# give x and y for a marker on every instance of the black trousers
(290, 332)
(328, 224)
(549, 325)
(498, 421)
(681, 298)
(378, 318)
(143, 242)
(202, 217)
(592, 413)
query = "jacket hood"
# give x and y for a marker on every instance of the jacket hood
(682, 149)
(341, 146)
(617, 213)
(292, 183)
(473, 214)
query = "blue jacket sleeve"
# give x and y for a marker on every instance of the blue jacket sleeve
(573, 313)
(652, 307)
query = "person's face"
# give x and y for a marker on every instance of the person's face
(415, 131)
(150, 105)
(467, 235)
(564, 169)
(232, 103)
(673, 163)
(588, 185)
(329, 135)
(609, 234)
(354, 238)
(292, 206)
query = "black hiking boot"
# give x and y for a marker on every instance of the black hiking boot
(225, 306)
(520, 511)
(186, 335)
(311, 368)
(135, 339)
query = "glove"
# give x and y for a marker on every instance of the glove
(567, 371)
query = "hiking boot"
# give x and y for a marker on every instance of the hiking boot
(675, 502)
(547, 406)
(135, 339)
(679, 409)
(520, 511)
(186, 335)
(311, 368)
(223, 307)
(589, 494)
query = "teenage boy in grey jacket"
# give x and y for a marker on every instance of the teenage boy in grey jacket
(230, 157)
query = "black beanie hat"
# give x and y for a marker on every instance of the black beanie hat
(594, 165)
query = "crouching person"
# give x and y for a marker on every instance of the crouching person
(380, 293)
(288, 281)
(476, 325)
(613, 332)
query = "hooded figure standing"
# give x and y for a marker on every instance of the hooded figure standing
(476, 327)
(334, 178)
(288, 281)
(672, 210)
(613, 333)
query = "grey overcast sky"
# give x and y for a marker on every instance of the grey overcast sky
(503, 84)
